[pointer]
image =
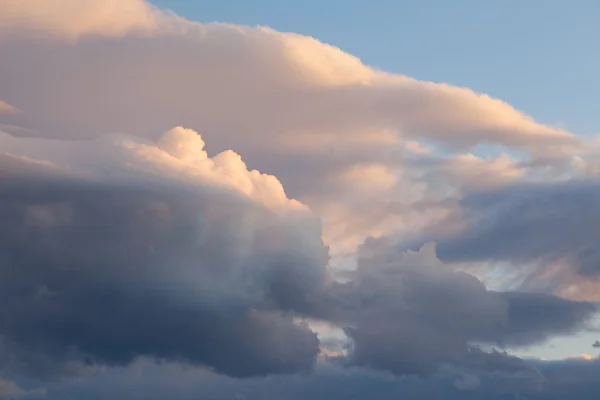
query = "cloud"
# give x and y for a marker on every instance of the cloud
(146, 380)
(545, 231)
(468, 382)
(120, 247)
(10, 390)
(73, 19)
(570, 377)
(408, 313)
(117, 248)
(288, 82)
(6, 108)
(150, 381)
(522, 222)
(292, 106)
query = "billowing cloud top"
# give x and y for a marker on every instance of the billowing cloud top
(169, 236)
(121, 245)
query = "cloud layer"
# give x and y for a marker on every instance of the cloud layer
(125, 251)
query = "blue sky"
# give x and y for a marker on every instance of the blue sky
(541, 56)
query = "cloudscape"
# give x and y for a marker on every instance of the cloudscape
(227, 211)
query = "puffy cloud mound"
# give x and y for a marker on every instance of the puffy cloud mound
(116, 248)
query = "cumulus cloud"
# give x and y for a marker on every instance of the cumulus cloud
(117, 248)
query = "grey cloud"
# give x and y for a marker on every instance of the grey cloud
(530, 223)
(131, 262)
(11, 390)
(569, 378)
(532, 317)
(410, 314)
(105, 275)
(556, 380)
(467, 382)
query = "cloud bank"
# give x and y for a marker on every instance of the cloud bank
(154, 250)
(126, 252)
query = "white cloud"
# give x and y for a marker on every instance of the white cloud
(177, 155)
(73, 19)
(275, 84)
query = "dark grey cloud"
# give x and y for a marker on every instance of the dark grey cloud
(552, 380)
(577, 378)
(11, 390)
(327, 383)
(530, 223)
(103, 275)
(97, 274)
(533, 317)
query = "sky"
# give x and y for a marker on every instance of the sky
(261, 200)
